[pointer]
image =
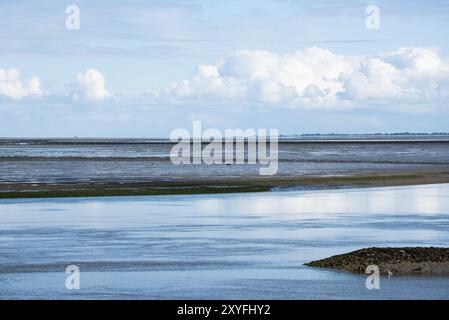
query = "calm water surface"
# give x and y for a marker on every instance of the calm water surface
(233, 246)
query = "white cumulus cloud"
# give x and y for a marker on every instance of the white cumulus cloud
(316, 77)
(92, 85)
(12, 86)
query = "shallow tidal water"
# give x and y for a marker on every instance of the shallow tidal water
(110, 160)
(229, 246)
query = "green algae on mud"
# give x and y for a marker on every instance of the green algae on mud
(111, 192)
(210, 186)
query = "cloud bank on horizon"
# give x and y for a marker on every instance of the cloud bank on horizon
(316, 77)
(308, 78)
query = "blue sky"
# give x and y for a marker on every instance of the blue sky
(144, 68)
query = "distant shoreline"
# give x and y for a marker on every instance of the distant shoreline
(295, 138)
(210, 186)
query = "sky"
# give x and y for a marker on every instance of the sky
(144, 68)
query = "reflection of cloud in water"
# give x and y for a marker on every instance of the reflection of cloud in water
(410, 199)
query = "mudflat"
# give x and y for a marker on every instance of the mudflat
(252, 183)
(40, 168)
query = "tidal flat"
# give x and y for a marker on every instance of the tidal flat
(39, 168)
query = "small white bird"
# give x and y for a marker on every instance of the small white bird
(389, 273)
